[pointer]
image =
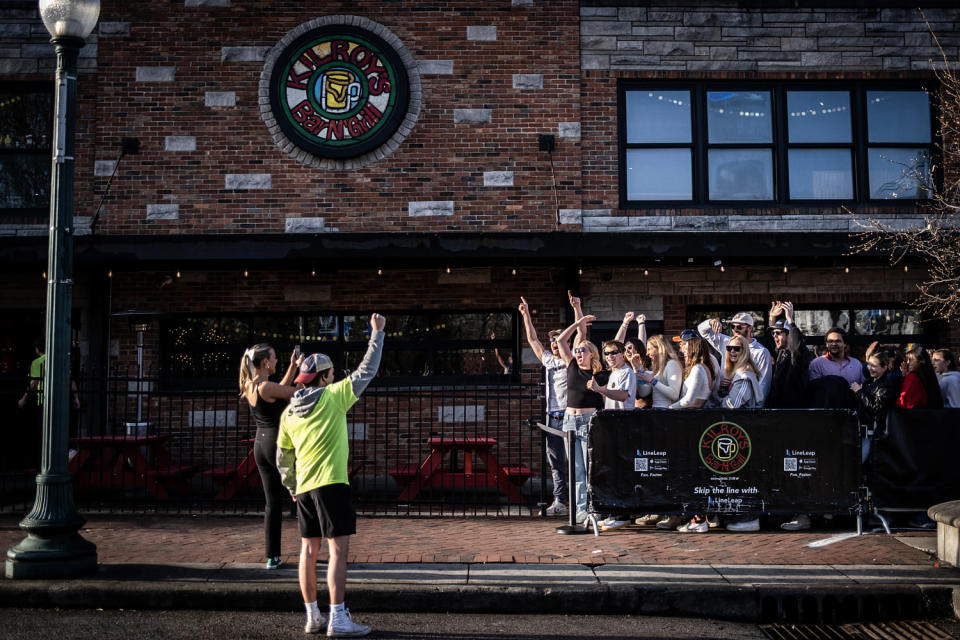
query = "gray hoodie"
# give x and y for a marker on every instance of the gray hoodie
(950, 388)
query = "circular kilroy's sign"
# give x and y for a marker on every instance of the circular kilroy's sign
(725, 447)
(337, 90)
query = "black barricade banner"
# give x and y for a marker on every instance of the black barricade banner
(915, 464)
(709, 461)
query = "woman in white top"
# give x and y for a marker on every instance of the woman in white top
(739, 386)
(666, 377)
(698, 370)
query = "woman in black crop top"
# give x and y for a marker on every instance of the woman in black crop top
(583, 365)
(267, 401)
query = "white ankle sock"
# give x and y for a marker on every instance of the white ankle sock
(313, 611)
(336, 609)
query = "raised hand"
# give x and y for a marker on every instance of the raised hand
(641, 319)
(524, 307)
(788, 311)
(776, 308)
(872, 348)
(574, 300)
(628, 317)
(715, 325)
(378, 322)
(585, 320)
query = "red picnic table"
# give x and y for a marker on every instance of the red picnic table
(126, 462)
(442, 469)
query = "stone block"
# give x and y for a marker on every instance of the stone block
(430, 208)
(605, 28)
(484, 33)
(104, 168)
(528, 81)
(594, 62)
(631, 14)
(472, 116)
(11, 66)
(436, 67)
(220, 99)
(156, 74)
(598, 12)
(896, 63)
(498, 178)
(163, 211)
(114, 28)
(668, 48)
(304, 225)
(721, 19)
(629, 45)
(568, 130)
(180, 143)
(571, 216)
(697, 34)
(15, 30)
(652, 32)
(837, 29)
(244, 54)
(820, 59)
(521, 3)
(247, 181)
(206, 3)
(603, 43)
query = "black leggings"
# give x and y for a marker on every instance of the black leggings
(265, 453)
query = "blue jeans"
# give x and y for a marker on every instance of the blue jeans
(578, 424)
(557, 459)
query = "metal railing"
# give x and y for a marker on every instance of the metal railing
(138, 446)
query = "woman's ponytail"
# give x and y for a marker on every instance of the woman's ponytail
(250, 362)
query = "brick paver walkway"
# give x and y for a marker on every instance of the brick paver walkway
(185, 539)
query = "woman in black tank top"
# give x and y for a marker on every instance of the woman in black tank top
(267, 401)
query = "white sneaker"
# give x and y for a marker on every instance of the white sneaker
(648, 520)
(611, 523)
(800, 522)
(745, 525)
(342, 626)
(315, 626)
(694, 527)
(557, 509)
(669, 522)
(581, 517)
(713, 522)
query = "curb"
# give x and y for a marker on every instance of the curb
(760, 603)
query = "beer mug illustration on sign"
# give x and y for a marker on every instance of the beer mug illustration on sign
(339, 90)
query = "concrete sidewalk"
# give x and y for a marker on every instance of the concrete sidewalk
(509, 565)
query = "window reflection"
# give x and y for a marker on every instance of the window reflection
(818, 116)
(820, 174)
(657, 116)
(897, 173)
(739, 117)
(741, 174)
(898, 116)
(887, 322)
(816, 322)
(659, 174)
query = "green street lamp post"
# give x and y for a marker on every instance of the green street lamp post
(53, 547)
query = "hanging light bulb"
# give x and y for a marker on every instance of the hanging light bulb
(178, 273)
(645, 272)
(379, 272)
(722, 269)
(448, 269)
(110, 273)
(846, 269)
(313, 272)
(906, 268)
(784, 268)
(246, 273)
(44, 275)
(513, 271)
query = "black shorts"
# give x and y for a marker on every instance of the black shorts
(326, 512)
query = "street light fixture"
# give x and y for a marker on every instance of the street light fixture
(53, 548)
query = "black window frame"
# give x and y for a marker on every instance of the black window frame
(37, 151)
(700, 145)
(339, 347)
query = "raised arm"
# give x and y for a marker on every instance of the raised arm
(563, 340)
(577, 314)
(371, 360)
(622, 331)
(284, 389)
(532, 339)
(642, 329)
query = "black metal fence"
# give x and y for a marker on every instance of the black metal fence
(414, 450)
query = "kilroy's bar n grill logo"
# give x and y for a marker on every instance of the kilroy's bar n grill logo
(725, 447)
(339, 91)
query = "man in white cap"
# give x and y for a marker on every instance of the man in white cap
(742, 324)
(312, 450)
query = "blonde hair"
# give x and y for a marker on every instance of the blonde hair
(252, 358)
(665, 353)
(698, 353)
(745, 361)
(596, 365)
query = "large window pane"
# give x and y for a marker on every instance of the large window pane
(740, 174)
(394, 362)
(472, 362)
(818, 116)
(898, 173)
(820, 174)
(887, 322)
(816, 322)
(659, 174)
(739, 117)
(276, 330)
(473, 326)
(25, 119)
(658, 116)
(24, 181)
(898, 116)
(320, 328)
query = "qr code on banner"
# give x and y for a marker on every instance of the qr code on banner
(789, 464)
(640, 464)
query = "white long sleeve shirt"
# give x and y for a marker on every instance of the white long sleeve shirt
(761, 357)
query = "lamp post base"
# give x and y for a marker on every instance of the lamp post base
(58, 556)
(572, 529)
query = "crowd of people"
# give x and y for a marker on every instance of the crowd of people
(707, 368)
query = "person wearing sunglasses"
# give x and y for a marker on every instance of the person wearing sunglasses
(583, 366)
(741, 325)
(791, 359)
(740, 382)
(555, 373)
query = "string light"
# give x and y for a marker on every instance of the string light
(44, 275)
(906, 268)
(313, 272)
(784, 268)
(722, 269)
(646, 272)
(448, 269)
(379, 272)
(846, 269)
(178, 273)
(246, 273)
(110, 273)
